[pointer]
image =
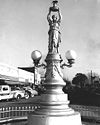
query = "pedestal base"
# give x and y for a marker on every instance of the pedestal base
(54, 110)
(72, 119)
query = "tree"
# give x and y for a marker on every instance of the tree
(67, 87)
(80, 80)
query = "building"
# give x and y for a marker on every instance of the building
(14, 76)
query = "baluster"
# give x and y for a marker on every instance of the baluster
(2, 113)
(29, 108)
(16, 111)
(9, 114)
(32, 108)
(22, 110)
(19, 111)
(4, 110)
(13, 111)
(25, 110)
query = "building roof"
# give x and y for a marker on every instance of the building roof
(29, 69)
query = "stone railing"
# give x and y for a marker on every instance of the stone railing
(19, 111)
(16, 111)
(88, 112)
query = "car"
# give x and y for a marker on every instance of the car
(29, 92)
(6, 93)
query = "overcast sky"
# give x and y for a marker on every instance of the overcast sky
(24, 28)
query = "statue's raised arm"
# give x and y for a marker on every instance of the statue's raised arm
(60, 17)
(48, 16)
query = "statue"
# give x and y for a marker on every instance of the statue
(54, 31)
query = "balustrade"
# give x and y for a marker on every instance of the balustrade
(20, 111)
(16, 111)
(88, 112)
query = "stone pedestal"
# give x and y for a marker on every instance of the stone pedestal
(54, 110)
(72, 119)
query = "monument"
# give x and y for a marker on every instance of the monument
(53, 103)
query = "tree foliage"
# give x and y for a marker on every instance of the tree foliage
(66, 88)
(80, 80)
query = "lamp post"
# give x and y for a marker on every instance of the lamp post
(36, 56)
(53, 103)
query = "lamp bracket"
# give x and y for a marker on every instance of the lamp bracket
(67, 65)
(42, 65)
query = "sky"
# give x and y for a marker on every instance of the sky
(24, 28)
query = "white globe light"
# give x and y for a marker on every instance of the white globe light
(36, 55)
(71, 54)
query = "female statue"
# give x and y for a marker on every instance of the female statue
(54, 31)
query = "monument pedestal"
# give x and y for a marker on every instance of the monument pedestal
(54, 110)
(72, 119)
